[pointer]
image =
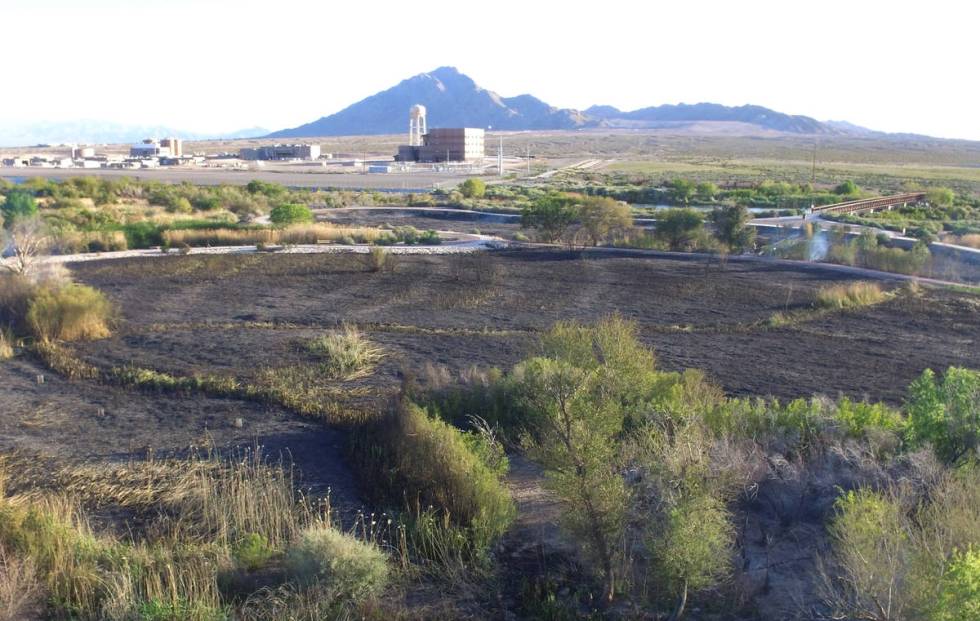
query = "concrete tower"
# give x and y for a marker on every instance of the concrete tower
(416, 125)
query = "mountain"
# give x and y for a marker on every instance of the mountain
(89, 131)
(453, 99)
(693, 113)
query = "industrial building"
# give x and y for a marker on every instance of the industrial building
(445, 144)
(168, 147)
(281, 152)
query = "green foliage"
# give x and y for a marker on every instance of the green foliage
(252, 552)
(603, 217)
(731, 227)
(706, 191)
(70, 313)
(271, 190)
(959, 589)
(411, 457)
(578, 393)
(847, 188)
(693, 547)
(858, 417)
(473, 188)
(550, 216)
(682, 190)
(942, 197)
(679, 227)
(343, 568)
(18, 204)
(290, 213)
(946, 413)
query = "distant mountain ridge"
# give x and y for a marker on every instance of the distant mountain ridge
(453, 99)
(87, 131)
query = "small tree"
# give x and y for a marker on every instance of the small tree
(575, 395)
(682, 190)
(693, 547)
(679, 227)
(731, 227)
(847, 188)
(941, 197)
(473, 188)
(290, 213)
(18, 204)
(959, 589)
(706, 191)
(28, 240)
(946, 414)
(550, 216)
(602, 217)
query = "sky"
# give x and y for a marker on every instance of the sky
(214, 66)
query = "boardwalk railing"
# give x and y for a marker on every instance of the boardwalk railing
(866, 204)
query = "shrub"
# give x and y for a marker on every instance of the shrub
(959, 589)
(343, 568)
(412, 457)
(853, 295)
(946, 413)
(858, 417)
(473, 188)
(70, 313)
(252, 552)
(290, 213)
(679, 227)
(377, 259)
(346, 353)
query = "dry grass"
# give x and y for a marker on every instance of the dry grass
(853, 295)
(70, 313)
(346, 353)
(296, 234)
(6, 344)
(19, 587)
(971, 240)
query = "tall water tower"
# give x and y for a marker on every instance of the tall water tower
(416, 125)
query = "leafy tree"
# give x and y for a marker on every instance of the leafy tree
(959, 589)
(473, 188)
(576, 394)
(941, 197)
(871, 544)
(731, 227)
(706, 191)
(18, 204)
(602, 217)
(693, 548)
(682, 190)
(272, 190)
(290, 213)
(848, 188)
(679, 227)
(946, 414)
(550, 216)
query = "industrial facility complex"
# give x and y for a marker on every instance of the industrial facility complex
(437, 150)
(447, 144)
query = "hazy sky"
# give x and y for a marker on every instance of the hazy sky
(222, 65)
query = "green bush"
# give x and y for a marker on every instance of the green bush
(473, 188)
(290, 213)
(343, 568)
(959, 589)
(252, 552)
(70, 313)
(946, 413)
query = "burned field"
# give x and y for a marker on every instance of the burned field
(235, 316)
(240, 328)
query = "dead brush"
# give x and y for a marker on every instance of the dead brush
(20, 588)
(6, 344)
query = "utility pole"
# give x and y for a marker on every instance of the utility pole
(813, 169)
(529, 159)
(500, 156)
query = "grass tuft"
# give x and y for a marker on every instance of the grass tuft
(70, 313)
(853, 295)
(346, 353)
